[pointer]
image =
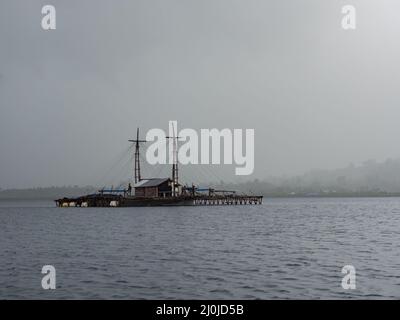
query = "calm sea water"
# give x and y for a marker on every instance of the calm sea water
(286, 248)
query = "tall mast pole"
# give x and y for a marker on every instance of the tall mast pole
(174, 161)
(137, 161)
(137, 176)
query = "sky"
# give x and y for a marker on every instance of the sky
(317, 96)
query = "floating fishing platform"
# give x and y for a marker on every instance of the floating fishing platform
(155, 192)
(98, 200)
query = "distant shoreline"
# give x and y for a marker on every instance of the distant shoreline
(52, 193)
(17, 199)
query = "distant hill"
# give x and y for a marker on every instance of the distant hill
(368, 179)
(50, 193)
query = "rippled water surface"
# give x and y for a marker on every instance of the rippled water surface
(286, 248)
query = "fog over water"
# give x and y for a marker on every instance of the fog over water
(316, 95)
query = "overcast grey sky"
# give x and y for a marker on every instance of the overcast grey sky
(317, 96)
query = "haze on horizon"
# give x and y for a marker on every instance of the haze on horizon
(316, 95)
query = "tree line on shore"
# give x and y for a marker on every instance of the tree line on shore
(371, 178)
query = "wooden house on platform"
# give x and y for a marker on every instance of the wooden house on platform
(152, 188)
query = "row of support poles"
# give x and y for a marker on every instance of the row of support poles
(228, 201)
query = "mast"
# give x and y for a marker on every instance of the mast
(137, 176)
(175, 182)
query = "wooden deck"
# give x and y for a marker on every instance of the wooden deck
(104, 200)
